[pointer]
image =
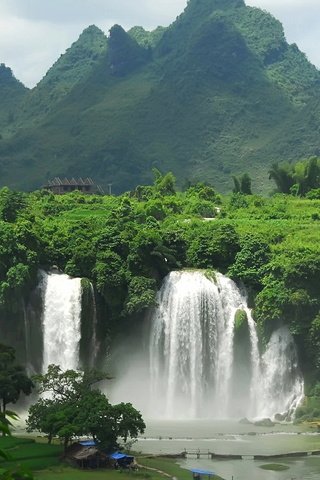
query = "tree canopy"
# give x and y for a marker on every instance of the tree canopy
(78, 407)
(13, 378)
(299, 178)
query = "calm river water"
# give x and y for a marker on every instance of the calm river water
(233, 438)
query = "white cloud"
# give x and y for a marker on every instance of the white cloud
(33, 33)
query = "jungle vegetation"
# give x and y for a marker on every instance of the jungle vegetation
(125, 245)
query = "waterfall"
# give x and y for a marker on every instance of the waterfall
(26, 334)
(193, 368)
(95, 344)
(61, 320)
(281, 386)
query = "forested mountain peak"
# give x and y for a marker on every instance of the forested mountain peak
(219, 92)
(125, 53)
(93, 32)
(77, 60)
(7, 78)
(11, 94)
(214, 4)
(72, 68)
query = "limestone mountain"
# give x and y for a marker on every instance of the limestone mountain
(11, 94)
(218, 92)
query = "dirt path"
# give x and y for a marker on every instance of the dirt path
(158, 471)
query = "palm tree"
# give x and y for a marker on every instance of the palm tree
(282, 175)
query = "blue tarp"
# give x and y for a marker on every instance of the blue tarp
(202, 472)
(88, 443)
(119, 456)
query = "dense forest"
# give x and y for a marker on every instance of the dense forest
(125, 245)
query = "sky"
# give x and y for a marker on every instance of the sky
(34, 33)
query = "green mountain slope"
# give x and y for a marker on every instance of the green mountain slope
(11, 94)
(70, 69)
(217, 93)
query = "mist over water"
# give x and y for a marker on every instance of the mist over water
(61, 320)
(193, 362)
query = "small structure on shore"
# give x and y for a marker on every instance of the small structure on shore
(121, 460)
(62, 186)
(87, 455)
(201, 474)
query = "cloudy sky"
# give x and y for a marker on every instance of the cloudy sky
(33, 33)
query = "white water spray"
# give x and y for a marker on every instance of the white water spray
(192, 369)
(61, 321)
(95, 344)
(281, 387)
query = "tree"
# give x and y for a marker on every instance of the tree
(282, 176)
(251, 260)
(11, 203)
(77, 407)
(203, 191)
(213, 246)
(164, 184)
(297, 179)
(242, 184)
(13, 378)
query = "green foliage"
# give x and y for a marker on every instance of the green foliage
(238, 201)
(313, 194)
(8, 472)
(251, 260)
(146, 39)
(275, 467)
(12, 93)
(309, 410)
(126, 245)
(201, 208)
(242, 184)
(315, 345)
(10, 204)
(299, 179)
(164, 184)
(141, 295)
(211, 275)
(214, 246)
(204, 192)
(79, 408)
(241, 320)
(13, 379)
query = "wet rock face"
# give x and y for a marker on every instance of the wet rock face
(265, 422)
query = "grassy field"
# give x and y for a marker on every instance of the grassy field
(27, 452)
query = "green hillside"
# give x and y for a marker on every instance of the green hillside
(217, 93)
(12, 93)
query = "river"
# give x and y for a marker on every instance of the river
(226, 437)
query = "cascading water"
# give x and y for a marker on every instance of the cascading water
(95, 344)
(281, 387)
(26, 333)
(61, 321)
(193, 368)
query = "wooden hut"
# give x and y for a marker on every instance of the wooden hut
(60, 186)
(87, 455)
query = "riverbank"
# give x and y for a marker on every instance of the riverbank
(45, 462)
